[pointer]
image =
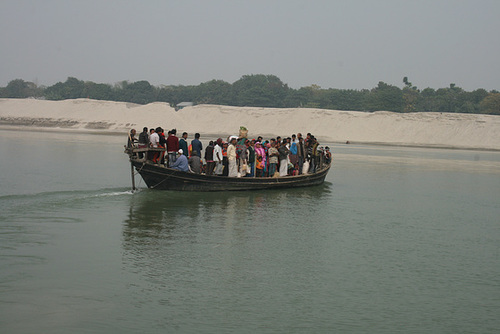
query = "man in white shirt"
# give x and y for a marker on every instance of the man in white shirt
(218, 157)
(154, 139)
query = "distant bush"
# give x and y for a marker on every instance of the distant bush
(259, 90)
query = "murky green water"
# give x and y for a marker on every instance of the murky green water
(396, 240)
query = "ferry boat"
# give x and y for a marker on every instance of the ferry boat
(157, 176)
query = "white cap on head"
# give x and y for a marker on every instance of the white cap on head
(180, 151)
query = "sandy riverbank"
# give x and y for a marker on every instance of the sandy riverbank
(413, 129)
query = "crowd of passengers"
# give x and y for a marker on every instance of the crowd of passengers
(236, 157)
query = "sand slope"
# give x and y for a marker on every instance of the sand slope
(421, 129)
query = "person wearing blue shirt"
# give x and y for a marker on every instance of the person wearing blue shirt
(181, 163)
(196, 144)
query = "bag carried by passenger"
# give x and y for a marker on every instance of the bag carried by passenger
(244, 169)
(305, 167)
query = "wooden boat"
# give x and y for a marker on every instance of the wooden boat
(159, 177)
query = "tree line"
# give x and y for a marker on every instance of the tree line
(259, 90)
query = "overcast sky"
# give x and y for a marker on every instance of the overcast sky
(334, 44)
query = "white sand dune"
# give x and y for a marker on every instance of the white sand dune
(419, 129)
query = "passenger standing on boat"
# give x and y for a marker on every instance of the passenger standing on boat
(195, 163)
(154, 140)
(181, 162)
(131, 139)
(288, 143)
(251, 157)
(183, 143)
(328, 155)
(172, 146)
(231, 158)
(283, 155)
(309, 154)
(301, 153)
(143, 141)
(266, 146)
(225, 163)
(130, 142)
(308, 139)
(259, 167)
(260, 152)
(315, 154)
(242, 154)
(209, 158)
(273, 159)
(294, 157)
(218, 157)
(196, 144)
(161, 144)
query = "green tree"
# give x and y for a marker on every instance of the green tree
(491, 104)
(259, 90)
(72, 88)
(213, 92)
(176, 94)
(449, 99)
(96, 91)
(410, 96)
(425, 102)
(298, 97)
(385, 97)
(19, 88)
(140, 92)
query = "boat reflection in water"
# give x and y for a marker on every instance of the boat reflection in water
(152, 214)
(203, 255)
(158, 220)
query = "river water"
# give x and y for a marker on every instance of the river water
(396, 240)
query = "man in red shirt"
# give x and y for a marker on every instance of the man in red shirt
(172, 146)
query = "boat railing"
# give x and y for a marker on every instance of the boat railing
(141, 153)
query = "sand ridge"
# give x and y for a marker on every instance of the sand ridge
(413, 129)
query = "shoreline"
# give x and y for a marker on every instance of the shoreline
(382, 128)
(207, 137)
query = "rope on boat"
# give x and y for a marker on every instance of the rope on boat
(165, 179)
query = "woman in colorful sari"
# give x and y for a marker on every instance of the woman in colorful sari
(260, 152)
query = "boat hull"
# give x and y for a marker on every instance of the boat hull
(158, 177)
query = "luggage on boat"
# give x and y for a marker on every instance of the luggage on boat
(305, 167)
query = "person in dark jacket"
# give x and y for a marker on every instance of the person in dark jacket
(251, 157)
(183, 144)
(143, 141)
(209, 158)
(162, 144)
(301, 153)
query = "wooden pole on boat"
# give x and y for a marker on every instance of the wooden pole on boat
(133, 176)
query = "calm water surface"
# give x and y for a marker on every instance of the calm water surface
(397, 240)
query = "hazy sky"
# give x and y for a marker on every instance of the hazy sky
(334, 43)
